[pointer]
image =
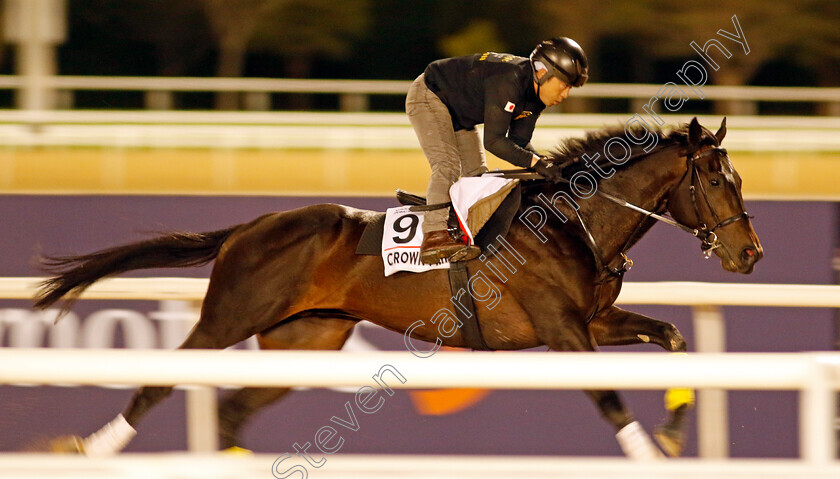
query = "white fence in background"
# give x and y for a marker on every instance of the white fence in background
(158, 89)
(161, 126)
(705, 298)
(391, 131)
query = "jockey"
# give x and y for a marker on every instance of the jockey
(504, 92)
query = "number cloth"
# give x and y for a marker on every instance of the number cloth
(401, 242)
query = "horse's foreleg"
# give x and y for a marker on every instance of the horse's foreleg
(631, 436)
(570, 334)
(617, 327)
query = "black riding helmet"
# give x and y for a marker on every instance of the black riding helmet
(564, 59)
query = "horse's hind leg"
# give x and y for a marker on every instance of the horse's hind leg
(115, 435)
(237, 408)
(148, 396)
(616, 327)
(312, 331)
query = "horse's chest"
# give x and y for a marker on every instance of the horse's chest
(604, 296)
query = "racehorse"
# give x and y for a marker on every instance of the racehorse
(292, 278)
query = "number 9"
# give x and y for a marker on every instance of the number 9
(411, 228)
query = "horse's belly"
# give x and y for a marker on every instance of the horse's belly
(429, 311)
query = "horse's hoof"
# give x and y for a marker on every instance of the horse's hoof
(670, 440)
(66, 445)
(675, 340)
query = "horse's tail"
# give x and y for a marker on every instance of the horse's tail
(73, 274)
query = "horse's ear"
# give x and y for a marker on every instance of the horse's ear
(695, 133)
(721, 131)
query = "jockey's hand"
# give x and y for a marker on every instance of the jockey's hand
(548, 170)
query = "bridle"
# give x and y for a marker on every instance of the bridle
(707, 236)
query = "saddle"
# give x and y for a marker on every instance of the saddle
(497, 225)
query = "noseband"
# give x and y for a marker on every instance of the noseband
(706, 235)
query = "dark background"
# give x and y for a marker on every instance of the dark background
(641, 41)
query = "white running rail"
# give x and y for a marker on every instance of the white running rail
(815, 375)
(705, 298)
(685, 293)
(691, 293)
(218, 466)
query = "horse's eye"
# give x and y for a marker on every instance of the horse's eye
(715, 182)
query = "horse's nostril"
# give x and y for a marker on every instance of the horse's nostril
(748, 253)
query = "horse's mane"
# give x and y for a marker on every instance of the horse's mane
(569, 154)
(570, 151)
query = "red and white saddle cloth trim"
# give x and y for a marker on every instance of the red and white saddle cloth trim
(468, 191)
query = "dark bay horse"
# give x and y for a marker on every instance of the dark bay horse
(293, 280)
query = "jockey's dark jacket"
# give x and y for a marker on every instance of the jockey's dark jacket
(496, 89)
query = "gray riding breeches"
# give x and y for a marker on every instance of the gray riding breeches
(451, 154)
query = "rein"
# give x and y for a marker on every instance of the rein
(707, 236)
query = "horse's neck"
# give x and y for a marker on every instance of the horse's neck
(646, 184)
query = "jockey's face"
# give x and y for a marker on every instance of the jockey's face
(553, 91)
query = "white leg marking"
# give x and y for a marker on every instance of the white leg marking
(636, 443)
(111, 439)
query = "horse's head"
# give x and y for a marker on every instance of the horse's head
(709, 199)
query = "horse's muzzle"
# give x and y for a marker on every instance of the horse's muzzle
(748, 257)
